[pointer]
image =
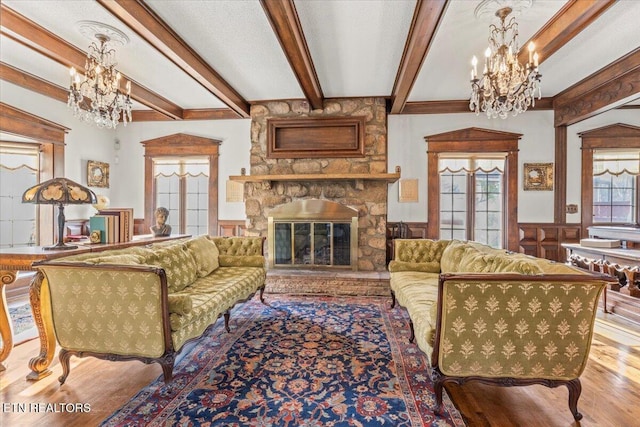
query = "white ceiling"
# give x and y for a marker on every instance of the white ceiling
(356, 46)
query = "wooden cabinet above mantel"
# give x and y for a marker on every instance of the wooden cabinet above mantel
(389, 177)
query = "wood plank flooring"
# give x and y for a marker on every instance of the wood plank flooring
(610, 389)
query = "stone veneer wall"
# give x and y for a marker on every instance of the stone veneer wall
(369, 198)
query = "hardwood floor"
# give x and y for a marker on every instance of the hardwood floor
(610, 389)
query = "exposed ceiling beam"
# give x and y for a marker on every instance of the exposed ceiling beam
(436, 107)
(21, 78)
(629, 107)
(574, 17)
(47, 43)
(19, 122)
(426, 18)
(195, 114)
(154, 30)
(460, 106)
(612, 86)
(284, 20)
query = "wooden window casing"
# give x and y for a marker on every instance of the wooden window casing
(50, 136)
(181, 145)
(616, 136)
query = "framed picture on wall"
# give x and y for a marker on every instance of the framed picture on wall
(97, 174)
(538, 176)
(408, 190)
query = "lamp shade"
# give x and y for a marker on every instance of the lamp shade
(58, 191)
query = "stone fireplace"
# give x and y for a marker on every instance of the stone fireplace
(365, 198)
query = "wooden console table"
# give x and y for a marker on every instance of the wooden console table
(13, 260)
(619, 262)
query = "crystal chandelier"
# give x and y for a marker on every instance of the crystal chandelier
(97, 97)
(505, 86)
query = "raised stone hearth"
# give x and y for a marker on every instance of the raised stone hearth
(367, 197)
(322, 282)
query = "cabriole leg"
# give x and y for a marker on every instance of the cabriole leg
(575, 389)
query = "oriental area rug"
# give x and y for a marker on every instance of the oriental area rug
(298, 361)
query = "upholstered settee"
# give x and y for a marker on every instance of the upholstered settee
(145, 303)
(502, 318)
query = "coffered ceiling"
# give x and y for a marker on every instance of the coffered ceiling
(209, 59)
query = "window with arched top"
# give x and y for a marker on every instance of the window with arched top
(181, 174)
(472, 186)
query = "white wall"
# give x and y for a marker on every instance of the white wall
(574, 156)
(407, 148)
(83, 142)
(128, 173)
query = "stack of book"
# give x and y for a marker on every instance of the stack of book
(115, 224)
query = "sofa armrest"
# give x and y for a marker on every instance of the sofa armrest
(515, 326)
(115, 309)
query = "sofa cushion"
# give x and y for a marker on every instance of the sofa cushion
(452, 255)
(218, 292)
(205, 253)
(92, 257)
(512, 264)
(178, 264)
(418, 293)
(127, 259)
(473, 261)
(169, 242)
(180, 304)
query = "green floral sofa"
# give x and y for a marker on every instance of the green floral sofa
(487, 315)
(145, 303)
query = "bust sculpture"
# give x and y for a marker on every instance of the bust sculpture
(161, 228)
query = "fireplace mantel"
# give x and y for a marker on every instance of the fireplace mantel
(389, 177)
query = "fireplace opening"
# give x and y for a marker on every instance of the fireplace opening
(313, 233)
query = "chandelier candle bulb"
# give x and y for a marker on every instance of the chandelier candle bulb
(506, 86)
(474, 72)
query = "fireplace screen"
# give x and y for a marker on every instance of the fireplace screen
(313, 233)
(312, 243)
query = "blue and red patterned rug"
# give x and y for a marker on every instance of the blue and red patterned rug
(298, 361)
